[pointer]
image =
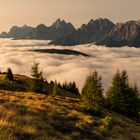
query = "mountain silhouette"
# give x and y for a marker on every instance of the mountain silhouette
(101, 31)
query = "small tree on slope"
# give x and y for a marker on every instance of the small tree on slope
(38, 80)
(9, 75)
(92, 92)
(121, 97)
(55, 89)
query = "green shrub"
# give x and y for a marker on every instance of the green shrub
(106, 122)
(55, 89)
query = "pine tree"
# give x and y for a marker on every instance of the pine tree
(92, 92)
(55, 89)
(59, 85)
(71, 87)
(38, 80)
(52, 83)
(9, 75)
(121, 97)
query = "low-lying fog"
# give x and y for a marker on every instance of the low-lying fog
(15, 54)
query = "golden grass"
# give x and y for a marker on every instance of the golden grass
(39, 117)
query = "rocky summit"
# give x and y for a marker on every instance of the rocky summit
(104, 32)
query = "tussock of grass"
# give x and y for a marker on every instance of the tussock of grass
(40, 117)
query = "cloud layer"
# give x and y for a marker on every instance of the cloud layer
(15, 54)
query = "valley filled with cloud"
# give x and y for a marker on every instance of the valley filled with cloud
(16, 54)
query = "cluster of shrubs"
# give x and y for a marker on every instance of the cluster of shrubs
(71, 87)
(38, 83)
(68, 86)
(120, 97)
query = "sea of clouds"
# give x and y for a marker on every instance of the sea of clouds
(16, 55)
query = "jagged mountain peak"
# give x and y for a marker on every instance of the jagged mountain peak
(14, 27)
(58, 23)
(62, 24)
(131, 22)
(91, 32)
(41, 26)
(94, 25)
(123, 34)
(100, 20)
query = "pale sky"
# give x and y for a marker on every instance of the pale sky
(34, 12)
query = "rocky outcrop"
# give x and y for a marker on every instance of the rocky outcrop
(88, 33)
(63, 28)
(18, 32)
(123, 34)
(57, 30)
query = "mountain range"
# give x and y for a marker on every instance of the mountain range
(58, 29)
(101, 31)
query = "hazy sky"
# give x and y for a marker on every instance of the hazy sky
(33, 12)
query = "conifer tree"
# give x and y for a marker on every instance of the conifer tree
(71, 87)
(38, 80)
(55, 89)
(121, 97)
(9, 75)
(92, 92)
(52, 83)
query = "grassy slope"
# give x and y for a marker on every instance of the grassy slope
(25, 115)
(20, 84)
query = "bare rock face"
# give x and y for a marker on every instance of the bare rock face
(104, 32)
(62, 27)
(123, 34)
(94, 30)
(88, 33)
(43, 32)
(57, 30)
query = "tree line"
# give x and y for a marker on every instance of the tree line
(121, 97)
